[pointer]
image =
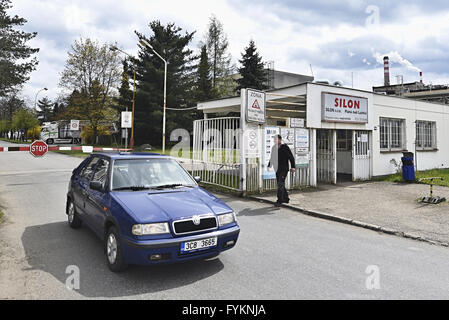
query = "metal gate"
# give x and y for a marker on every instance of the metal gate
(325, 156)
(361, 156)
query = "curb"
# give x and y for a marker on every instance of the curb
(356, 223)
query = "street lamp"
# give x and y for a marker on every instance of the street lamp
(145, 43)
(35, 99)
(131, 142)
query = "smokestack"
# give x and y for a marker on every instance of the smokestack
(420, 76)
(386, 71)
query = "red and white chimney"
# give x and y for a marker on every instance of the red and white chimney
(420, 76)
(386, 71)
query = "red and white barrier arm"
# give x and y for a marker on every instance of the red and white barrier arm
(85, 149)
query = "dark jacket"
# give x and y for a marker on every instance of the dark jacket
(284, 155)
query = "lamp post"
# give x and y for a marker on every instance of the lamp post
(131, 142)
(146, 44)
(35, 99)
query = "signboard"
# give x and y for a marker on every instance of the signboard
(74, 125)
(343, 108)
(296, 122)
(127, 119)
(38, 148)
(302, 147)
(255, 106)
(268, 143)
(288, 137)
(251, 142)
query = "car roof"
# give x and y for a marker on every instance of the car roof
(129, 155)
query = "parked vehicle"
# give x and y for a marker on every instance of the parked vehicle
(147, 209)
(59, 132)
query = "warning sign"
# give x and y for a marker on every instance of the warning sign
(255, 106)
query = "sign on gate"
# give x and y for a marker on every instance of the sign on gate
(255, 106)
(251, 142)
(344, 108)
(268, 142)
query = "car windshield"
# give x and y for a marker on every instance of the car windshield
(141, 174)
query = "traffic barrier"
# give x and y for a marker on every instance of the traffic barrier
(86, 149)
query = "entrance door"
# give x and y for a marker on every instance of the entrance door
(361, 156)
(325, 156)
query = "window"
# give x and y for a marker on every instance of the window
(426, 135)
(88, 170)
(344, 140)
(392, 134)
(101, 173)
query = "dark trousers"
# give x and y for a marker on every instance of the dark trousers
(282, 192)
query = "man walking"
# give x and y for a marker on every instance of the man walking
(281, 155)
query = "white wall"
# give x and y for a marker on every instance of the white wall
(411, 110)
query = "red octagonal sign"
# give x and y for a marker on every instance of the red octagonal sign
(38, 148)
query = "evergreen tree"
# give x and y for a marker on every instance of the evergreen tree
(14, 53)
(253, 74)
(204, 81)
(46, 110)
(173, 46)
(220, 60)
(125, 93)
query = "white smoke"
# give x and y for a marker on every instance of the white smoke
(395, 57)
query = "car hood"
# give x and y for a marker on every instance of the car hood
(169, 205)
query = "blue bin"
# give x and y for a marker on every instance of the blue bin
(408, 169)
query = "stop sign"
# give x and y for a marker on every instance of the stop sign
(38, 148)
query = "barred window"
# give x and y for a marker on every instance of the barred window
(392, 134)
(426, 135)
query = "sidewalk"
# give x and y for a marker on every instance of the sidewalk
(384, 206)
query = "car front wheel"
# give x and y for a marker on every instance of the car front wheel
(72, 217)
(114, 255)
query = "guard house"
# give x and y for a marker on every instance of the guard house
(335, 133)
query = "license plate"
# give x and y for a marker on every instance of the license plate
(198, 244)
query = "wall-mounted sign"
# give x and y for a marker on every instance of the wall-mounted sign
(343, 108)
(302, 140)
(251, 142)
(268, 143)
(296, 123)
(255, 106)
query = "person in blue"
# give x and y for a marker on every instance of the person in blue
(281, 155)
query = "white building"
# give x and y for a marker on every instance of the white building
(352, 134)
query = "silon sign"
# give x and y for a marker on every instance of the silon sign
(38, 148)
(344, 108)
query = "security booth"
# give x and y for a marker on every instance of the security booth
(336, 134)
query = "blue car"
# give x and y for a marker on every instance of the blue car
(147, 209)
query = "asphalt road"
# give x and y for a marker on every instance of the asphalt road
(281, 254)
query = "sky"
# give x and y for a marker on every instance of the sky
(333, 40)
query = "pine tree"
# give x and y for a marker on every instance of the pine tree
(14, 53)
(220, 60)
(125, 93)
(171, 45)
(253, 74)
(204, 81)
(46, 110)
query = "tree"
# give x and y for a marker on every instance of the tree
(92, 72)
(24, 119)
(125, 93)
(252, 70)
(204, 81)
(46, 109)
(220, 60)
(170, 44)
(15, 65)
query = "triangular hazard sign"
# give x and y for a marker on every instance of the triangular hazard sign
(255, 105)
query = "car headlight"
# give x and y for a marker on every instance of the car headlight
(226, 218)
(151, 228)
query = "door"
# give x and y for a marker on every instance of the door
(325, 156)
(98, 200)
(361, 156)
(81, 187)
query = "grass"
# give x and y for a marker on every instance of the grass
(73, 153)
(444, 173)
(15, 141)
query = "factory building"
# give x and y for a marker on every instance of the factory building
(336, 134)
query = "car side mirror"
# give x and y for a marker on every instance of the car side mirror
(197, 179)
(96, 185)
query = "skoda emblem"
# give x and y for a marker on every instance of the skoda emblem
(196, 220)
